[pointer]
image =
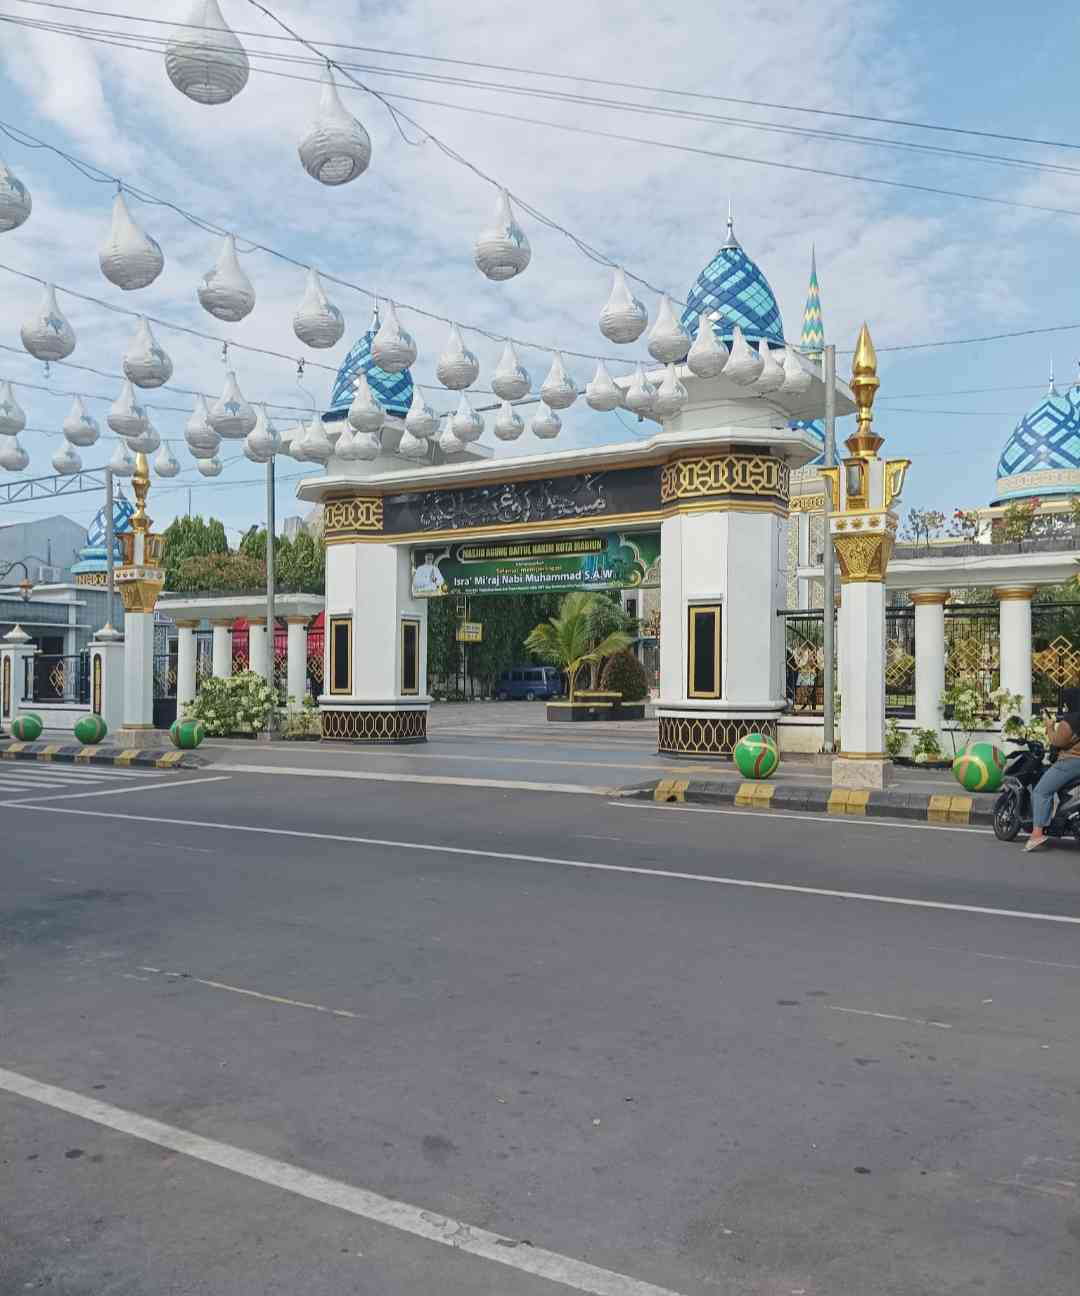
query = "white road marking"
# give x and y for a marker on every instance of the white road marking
(379, 776)
(671, 875)
(1015, 958)
(915, 1021)
(279, 999)
(168, 784)
(836, 821)
(362, 1202)
(408, 755)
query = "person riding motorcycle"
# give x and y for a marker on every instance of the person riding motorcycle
(1063, 735)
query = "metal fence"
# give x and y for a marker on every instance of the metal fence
(1055, 652)
(900, 661)
(804, 661)
(52, 677)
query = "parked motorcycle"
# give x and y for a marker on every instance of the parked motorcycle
(1012, 809)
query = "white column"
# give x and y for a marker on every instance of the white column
(862, 671)
(185, 665)
(296, 659)
(16, 649)
(107, 680)
(221, 664)
(929, 655)
(138, 670)
(257, 645)
(1014, 627)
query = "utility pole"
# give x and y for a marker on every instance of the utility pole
(828, 620)
(270, 527)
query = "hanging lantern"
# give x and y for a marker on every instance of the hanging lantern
(231, 417)
(502, 251)
(210, 467)
(316, 443)
(707, 357)
(15, 201)
(145, 362)
(129, 257)
(392, 349)
(457, 368)
(671, 395)
(448, 442)
(80, 428)
(797, 378)
(263, 439)
(67, 461)
(46, 334)
(166, 463)
(12, 416)
(602, 393)
(13, 458)
(252, 453)
(558, 390)
(318, 323)
(624, 318)
(201, 438)
(122, 461)
(668, 340)
(336, 148)
(412, 447)
(127, 417)
(511, 380)
(421, 420)
(467, 425)
(226, 292)
(641, 394)
(771, 377)
(365, 412)
(509, 424)
(545, 424)
(148, 440)
(744, 365)
(204, 60)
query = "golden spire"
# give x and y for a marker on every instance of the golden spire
(864, 443)
(140, 482)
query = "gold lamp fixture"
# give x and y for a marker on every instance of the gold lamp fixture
(140, 578)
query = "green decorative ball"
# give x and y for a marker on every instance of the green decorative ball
(90, 729)
(187, 734)
(979, 768)
(756, 756)
(27, 728)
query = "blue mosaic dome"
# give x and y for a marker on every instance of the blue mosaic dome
(1042, 456)
(123, 512)
(394, 392)
(732, 290)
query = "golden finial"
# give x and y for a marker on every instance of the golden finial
(140, 483)
(864, 443)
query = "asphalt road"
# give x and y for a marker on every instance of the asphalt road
(406, 1038)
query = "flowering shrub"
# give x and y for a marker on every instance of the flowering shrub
(965, 524)
(239, 704)
(301, 721)
(1019, 519)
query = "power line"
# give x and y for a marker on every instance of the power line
(587, 80)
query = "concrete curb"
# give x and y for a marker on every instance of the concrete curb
(75, 754)
(942, 808)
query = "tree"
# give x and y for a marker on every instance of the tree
(191, 537)
(567, 640)
(228, 573)
(624, 674)
(299, 565)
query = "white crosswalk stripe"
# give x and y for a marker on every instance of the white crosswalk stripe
(27, 778)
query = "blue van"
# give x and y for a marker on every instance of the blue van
(529, 683)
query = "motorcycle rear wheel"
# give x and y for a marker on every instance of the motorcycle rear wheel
(1007, 816)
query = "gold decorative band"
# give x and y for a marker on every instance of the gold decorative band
(91, 578)
(707, 735)
(343, 518)
(391, 726)
(807, 504)
(729, 474)
(863, 556)
(927, 598)
(1013, 593)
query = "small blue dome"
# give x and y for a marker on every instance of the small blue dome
(123, 512)
(732, 290)
(1045, 441)
(394, 392)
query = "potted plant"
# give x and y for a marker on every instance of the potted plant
(568, 641)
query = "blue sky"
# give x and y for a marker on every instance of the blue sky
(917, 267)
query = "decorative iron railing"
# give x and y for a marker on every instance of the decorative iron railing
(804, 661)
(52, 677)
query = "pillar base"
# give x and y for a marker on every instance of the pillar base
(871, 772)
(709, 733)
(142, 739)
(378, 724)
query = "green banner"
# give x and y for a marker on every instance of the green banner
(607, 560)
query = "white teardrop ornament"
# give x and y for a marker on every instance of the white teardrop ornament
(231, 417)
(166, 463)
(129, 257)
(13, 458)
(122, 461)
(708, 355)
(392, 349)
(641, 394)
(546, 424)
(509, 424)
(457, 368)
(15, 201)
(80, 428)
(412, 447)
(448, 442)
(318, 323)
(317, 448)
(204, 59)
(210, 467)
(146, 363)
(365, 412)
(335, 148)
(421, 420)
(202, 440)
(467, 425)
(668, 340)
(502, 251)
(624, 318)
(771, 377)
(602, 393)
(67, 461)
(126, 416)
(797, 377)
(670, 396)
(744, 364)
(12, 415)
(558, 390)
(148, 440)
(46, 334)
(366, 447)
(263, 439)
(226, 292)
(511, 380)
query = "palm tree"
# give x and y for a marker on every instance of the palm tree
(567, 640)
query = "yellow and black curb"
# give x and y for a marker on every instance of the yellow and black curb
(76, 754)
(936, 808)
